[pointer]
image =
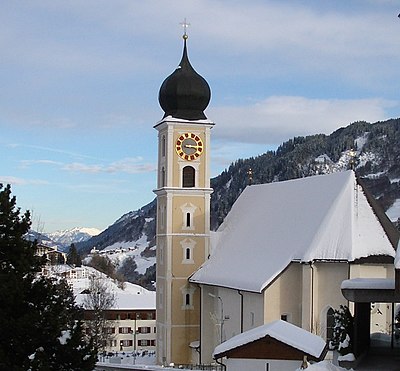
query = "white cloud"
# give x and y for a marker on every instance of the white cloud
(126, 165)
(20, 181)
(277, 119)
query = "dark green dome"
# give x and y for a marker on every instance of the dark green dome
(184, 94)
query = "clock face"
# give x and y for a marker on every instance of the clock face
(189, 146)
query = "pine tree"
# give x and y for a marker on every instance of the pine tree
(73, 256)
(41, 327)
(343, 331)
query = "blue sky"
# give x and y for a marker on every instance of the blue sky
(80, 81)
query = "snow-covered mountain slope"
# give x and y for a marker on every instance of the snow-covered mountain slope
(68, 236)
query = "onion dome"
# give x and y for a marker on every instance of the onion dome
(184, 94)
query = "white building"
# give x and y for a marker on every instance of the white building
(132, 319)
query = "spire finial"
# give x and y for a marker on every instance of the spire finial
(185, 25)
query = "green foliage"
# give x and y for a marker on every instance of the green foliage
(343, 331)
(41, 327)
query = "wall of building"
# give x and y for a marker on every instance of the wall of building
(237, 364)
(130, 330)
(283, 298)
(236, 309)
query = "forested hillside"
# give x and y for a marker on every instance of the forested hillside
(376, 156)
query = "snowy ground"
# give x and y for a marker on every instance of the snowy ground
(122, 358)
(148, 362)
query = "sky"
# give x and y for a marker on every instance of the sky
(80, 81)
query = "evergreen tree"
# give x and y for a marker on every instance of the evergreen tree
(41, 327)
(342, 331)
(73, 256)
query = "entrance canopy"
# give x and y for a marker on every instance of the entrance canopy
(370, 290)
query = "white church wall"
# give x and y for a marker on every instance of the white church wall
(253, 310)
(328, 277)
(209, 324)
(371, 271)
(283, 298)
(231, 314)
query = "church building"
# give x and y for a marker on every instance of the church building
(281, 254)
(183, 209)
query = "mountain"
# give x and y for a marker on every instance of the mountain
(130, 227)
(373, 150)
(68, 236)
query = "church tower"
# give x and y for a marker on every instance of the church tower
(183, 209)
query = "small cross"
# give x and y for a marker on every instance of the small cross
(185, 25)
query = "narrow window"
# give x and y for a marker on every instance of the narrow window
(187, 253)
(163, 177)
(188, 174)
(187, 299)
(252, 319)
(163, 146)
(330, 324)
(188, 219)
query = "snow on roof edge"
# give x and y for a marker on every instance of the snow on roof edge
(282, 331)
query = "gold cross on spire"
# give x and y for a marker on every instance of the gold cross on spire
(185, 25)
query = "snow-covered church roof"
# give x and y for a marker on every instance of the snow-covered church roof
(324, 217)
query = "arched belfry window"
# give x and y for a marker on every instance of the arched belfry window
(188, 177)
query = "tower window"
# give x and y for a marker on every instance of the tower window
(187, 251)
(187, 298)
(188, 217)
(163, 146)
(163, 177)
(188, 177)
